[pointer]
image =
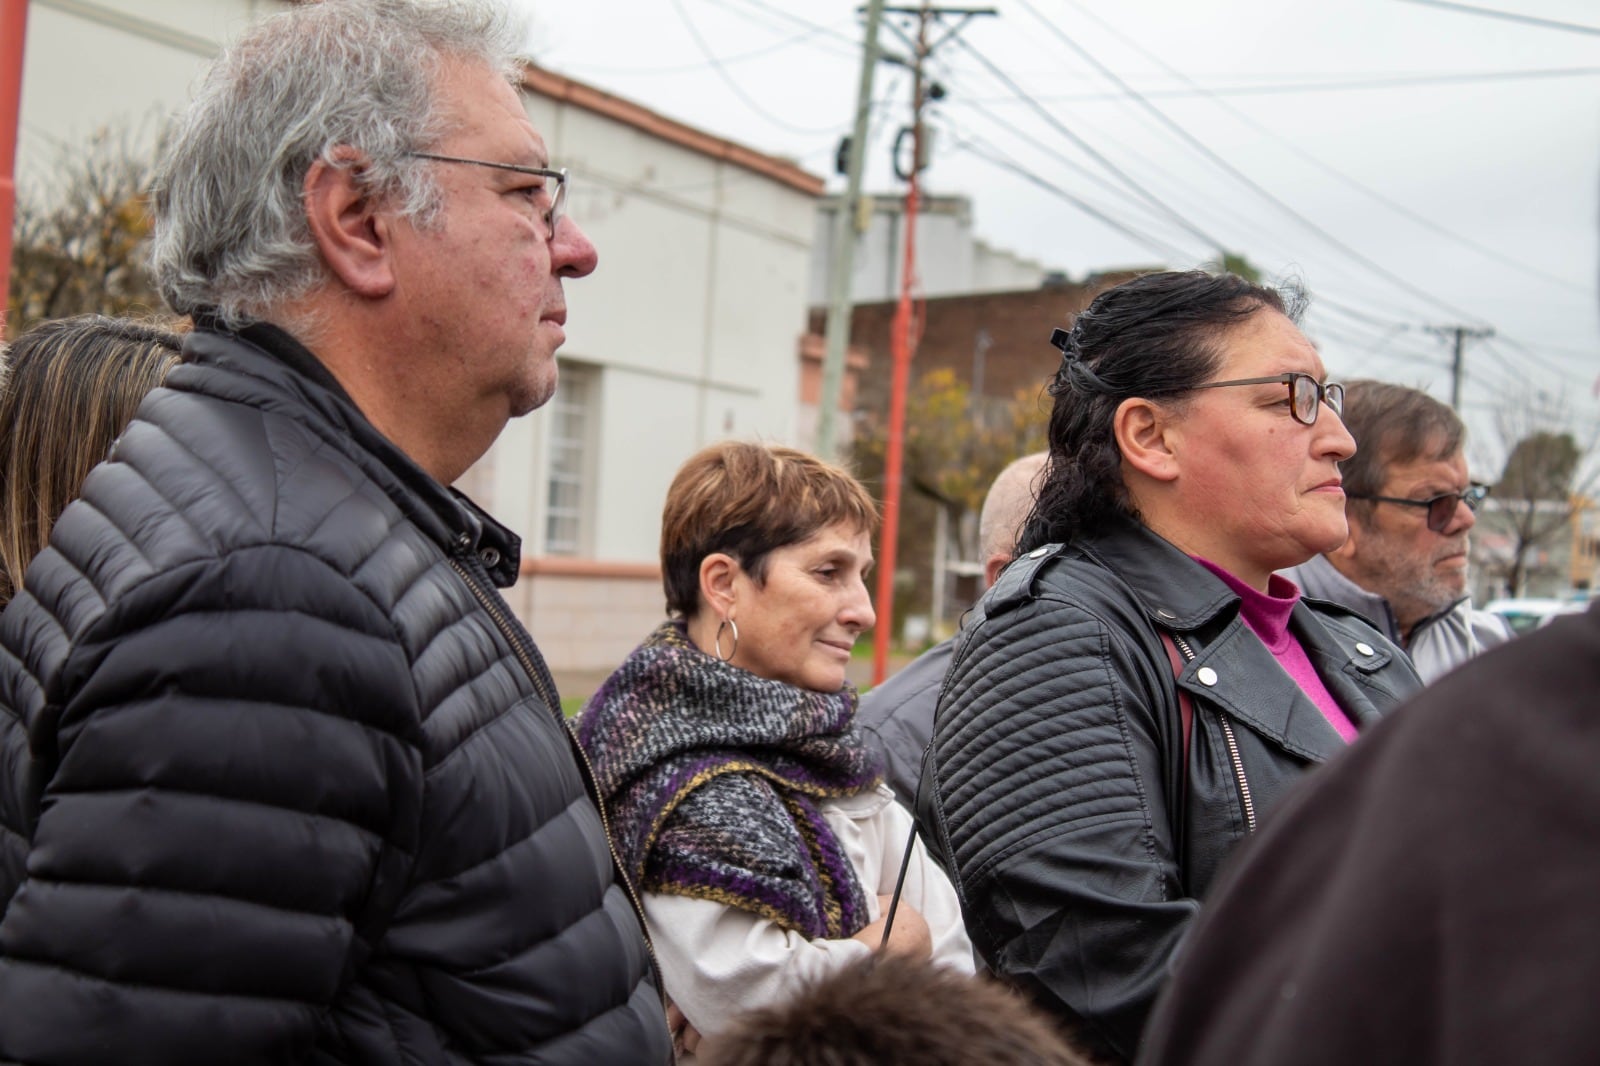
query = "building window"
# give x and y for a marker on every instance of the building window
(571, 430)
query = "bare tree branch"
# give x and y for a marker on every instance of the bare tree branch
(79, 243)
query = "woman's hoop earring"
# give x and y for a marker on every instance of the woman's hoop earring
(717, 643)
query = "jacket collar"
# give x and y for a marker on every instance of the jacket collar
(1174, 590)
(286, 377)
(1232, 668)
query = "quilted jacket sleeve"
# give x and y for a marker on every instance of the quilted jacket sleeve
(223, 790)
(1051, 804)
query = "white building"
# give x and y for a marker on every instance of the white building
(688, 332)
(950, 260)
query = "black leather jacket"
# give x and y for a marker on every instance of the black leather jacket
(1055, 783)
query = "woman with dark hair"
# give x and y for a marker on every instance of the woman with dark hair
(68, 389)
(1138, 689)
(742, 799)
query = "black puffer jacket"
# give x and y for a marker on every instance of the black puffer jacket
(1057, 752)
(290, 783)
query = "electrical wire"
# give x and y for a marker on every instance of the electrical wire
(1141, 196)
(1213, 206)
(1327, 168)
(1144, 238)
(1530, 352)
(961, 101)
(794, 20)
(1510, 16)
(733, 85)
(1106, 184)
(1240, 176)
(695, 68)
(989, 154)
(1088, 149)
(1397, 81)
(1389, 329)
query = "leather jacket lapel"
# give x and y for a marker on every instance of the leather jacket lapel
(1247, 684)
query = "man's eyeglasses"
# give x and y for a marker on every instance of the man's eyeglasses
(1441, 508)
(552, 214)
(1306, 394)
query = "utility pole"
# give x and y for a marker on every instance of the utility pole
(845, 230)
(1457, 370)
(13, 37)
(902, 343)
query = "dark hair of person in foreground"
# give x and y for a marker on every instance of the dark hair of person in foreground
(894, 1009)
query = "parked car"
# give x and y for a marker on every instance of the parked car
(1526, 614)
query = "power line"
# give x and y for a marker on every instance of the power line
(1062, 158)
(995, 157)
(1365, 317)
(1510, 16)
(1211, 207)
(1239, 175)
(1143, 238)
(1397, 81)
(733, 85)
(1126, 187)
(1529, 352)
(695, 68)
(1084, 146)
(1328, 168)
(853, 45)
(1399, 339)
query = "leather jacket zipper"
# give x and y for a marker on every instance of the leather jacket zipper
(490, 603)
(1245, 800)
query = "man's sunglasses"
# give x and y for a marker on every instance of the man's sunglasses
(1441, 508)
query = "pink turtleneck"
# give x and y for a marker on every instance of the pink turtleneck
(1267, 616)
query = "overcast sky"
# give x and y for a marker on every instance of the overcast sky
(1413, 165)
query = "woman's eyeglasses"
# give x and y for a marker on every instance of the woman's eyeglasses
(1306, 394)
(1441, 508)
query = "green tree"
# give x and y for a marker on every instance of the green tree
(1540, 467)
(1235, 263)
(955, 445)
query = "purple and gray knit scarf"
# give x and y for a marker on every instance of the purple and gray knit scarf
(711, 777)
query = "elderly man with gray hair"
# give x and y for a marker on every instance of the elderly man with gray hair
(281, 777)
(1411, 508)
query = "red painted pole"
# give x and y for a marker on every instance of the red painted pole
(902, 346)
(13, 38)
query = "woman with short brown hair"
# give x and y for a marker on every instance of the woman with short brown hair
(742, 799)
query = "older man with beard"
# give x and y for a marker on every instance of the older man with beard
(1411, 508)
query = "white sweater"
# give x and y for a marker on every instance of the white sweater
(719, 961)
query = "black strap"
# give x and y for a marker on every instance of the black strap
(1185, 701)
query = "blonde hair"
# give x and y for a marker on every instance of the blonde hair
(68, 390)
(748, 499)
